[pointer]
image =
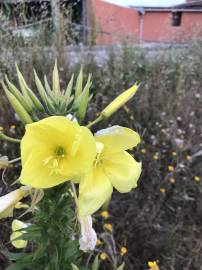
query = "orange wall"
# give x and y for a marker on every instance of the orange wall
(115, 23)
(158, 27)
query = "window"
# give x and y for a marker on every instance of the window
(176, 18)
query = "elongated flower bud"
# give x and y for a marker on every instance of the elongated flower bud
(8, 201)
(119, 101)
(17, 106)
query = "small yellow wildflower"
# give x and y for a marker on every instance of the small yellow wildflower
(153, 265)
(103, 256)
(13, 126)
(162, 190)
(172, 180)
(108, 227)
(104, 214)
(143, 151)
(197, 178)
(174, 154)
(170, 168)
(1, 128)
(188, 157)
(123, 251)
(98, 242)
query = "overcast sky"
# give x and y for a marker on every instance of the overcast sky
(150, 3)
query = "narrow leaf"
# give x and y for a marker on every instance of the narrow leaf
(56, 80)
(74, 267)
(79, 83)
(121, 267)
(96, 263)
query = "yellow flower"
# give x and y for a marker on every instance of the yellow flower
(13, 126)
(113, 167)
(98, 242)
(170, 168)
(119, 101)
(54, 150)
(174, 154)
(1, 128)
(123, 251)
(3, 162)
(108, 227)
(103, 256)
(8, 201)
(104, 214)
(162, 190)
(153, 265)
(18, 225)
(156, 156)
(197, 178)
(188, 157)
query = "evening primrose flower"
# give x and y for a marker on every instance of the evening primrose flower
(113, 167)
(104, 214)
(16, 226)
(123, 250)
(54, 150)
(88, 238)
(8, 201)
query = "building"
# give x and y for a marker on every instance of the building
(113, 23)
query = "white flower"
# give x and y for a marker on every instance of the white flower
(3, 162)
(88, 237)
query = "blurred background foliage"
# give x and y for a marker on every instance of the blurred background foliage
(161, 219)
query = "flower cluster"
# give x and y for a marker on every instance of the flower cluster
(56, 149)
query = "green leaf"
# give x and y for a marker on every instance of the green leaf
(121, 267)
(96, 263)
(79, 83)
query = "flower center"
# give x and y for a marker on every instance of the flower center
(54, 162)
(99, 150)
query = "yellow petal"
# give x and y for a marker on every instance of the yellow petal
(122, 170)
(94, 189)
(117, 138)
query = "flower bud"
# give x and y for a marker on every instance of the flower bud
(119, 101)
(16, 226)
(8, 201)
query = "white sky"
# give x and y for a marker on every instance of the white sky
(145, 3)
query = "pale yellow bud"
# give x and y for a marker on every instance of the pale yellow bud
(119, 101)
(8, 201)
(18, 225)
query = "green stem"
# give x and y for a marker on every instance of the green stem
(97, 120)
(75, 194)
(9, 139)
(14, 160)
